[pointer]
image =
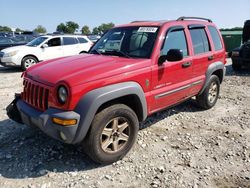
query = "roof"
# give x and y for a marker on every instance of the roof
(162, 22)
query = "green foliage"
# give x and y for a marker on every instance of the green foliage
(102, 28)
(70, 27)
(232, 29)
(95, 31)
(40, 29)
(5, 29)
(85, 30)
(19, 30)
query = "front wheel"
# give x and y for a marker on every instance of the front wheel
(208, 98)
(28, 62)
(112, 134)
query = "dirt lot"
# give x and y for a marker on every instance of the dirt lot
(179, 147)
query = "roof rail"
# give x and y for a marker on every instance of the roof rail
(140, 21)
(193, 18)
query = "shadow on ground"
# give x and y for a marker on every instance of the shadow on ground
(245, 71)
(27, 152)
(10, 69)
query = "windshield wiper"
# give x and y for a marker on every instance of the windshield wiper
(95, 52)
(119, 53)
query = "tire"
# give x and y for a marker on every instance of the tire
(108, 146)
(236, 66)
(27, 62)
(208, 98)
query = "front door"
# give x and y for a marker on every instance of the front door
(172, 80)
(54, 49)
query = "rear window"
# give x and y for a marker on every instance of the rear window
(82, 40)
(215, 37)
(69, 40)
(199, 40)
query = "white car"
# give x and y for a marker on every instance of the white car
(44, 48)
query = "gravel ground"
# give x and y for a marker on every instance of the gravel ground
(179, 147)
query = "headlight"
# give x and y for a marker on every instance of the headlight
(62, 94)
(235, 53)
(10, 54)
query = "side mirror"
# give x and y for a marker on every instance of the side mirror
(172, 55)
(44, 46)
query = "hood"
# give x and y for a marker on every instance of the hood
(246, 32)
(81, 69)
(15, 48)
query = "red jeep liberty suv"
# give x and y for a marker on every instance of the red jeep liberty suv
(98, 99)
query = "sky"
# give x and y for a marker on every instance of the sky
(27, 14)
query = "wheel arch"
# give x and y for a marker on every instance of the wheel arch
(128, 93)
(32, 55)
(216, 68)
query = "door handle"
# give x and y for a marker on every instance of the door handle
(186, 64)
(210, 58)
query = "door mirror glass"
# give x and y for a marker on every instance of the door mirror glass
(172, 55)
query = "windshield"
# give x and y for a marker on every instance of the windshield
(127, 42)
(37, 41)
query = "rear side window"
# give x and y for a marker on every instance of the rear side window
(199, 40)
(82, 40)
(215, 37)
(54, 42)
(175, 40)
(69, 40)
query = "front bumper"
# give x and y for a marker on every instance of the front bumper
(9, 61)
(43, 120)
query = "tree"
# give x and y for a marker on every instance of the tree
(61, 28)
(5, 29)
(105, 27)
(102, 28)
(69, 27)
(85, 30)
(232, 29)
(19, 30)
(95, 31)
(40, 29)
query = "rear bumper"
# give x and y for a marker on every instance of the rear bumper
(43, 120)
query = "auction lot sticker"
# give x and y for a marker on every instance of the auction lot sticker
(147, 29)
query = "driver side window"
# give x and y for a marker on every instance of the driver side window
(175, 40)
(54, 42)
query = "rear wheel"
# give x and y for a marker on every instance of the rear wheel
(112, 134)
(28, 61)
(208, 98)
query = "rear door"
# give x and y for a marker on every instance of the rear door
(202, 55)
(84, 44)
(171, 80)
(70, 46)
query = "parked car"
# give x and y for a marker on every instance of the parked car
(98, 99)
(94, 38)
(44, 48)
(6, 42)
(241, 55)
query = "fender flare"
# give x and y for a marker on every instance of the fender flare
(211, 69)
(90, 103)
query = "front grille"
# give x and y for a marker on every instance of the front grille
(35, 94)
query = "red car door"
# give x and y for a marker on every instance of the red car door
(171, 80)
